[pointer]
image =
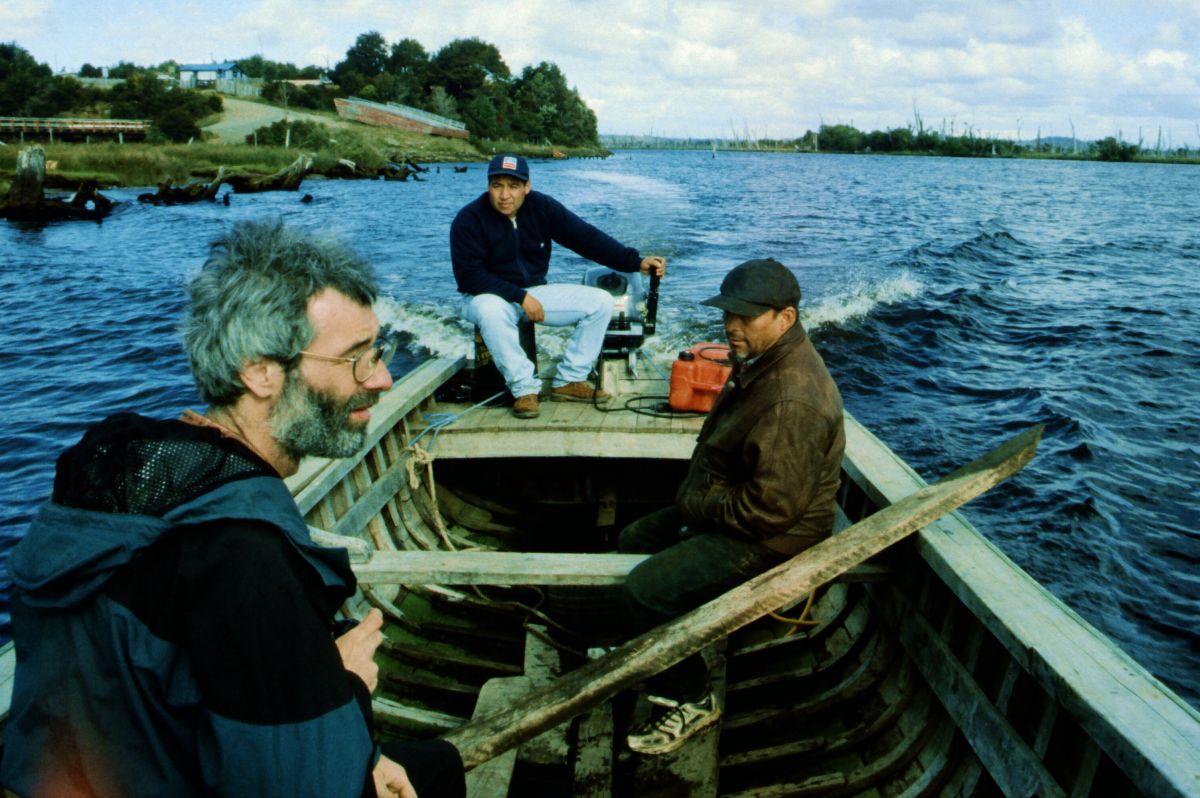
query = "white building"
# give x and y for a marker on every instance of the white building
(195, 75)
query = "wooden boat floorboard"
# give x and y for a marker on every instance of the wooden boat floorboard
(564, 429)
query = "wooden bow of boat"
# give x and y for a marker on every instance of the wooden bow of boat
(950, 672)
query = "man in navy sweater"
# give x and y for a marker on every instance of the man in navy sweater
(500, 247)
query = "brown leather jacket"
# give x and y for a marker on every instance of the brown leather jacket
(768, 459)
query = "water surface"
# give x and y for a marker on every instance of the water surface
(955, 301)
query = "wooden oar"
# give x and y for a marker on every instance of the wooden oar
(575, 692)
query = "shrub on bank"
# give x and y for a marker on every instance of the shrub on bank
(1112, 149)
(294, 133)
(177, 125)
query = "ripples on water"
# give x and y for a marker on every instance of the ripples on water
(956, 302)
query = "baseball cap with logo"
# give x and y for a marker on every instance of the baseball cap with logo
(755, 287)
(511, 165)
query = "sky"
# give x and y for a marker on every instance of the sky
(713, 68)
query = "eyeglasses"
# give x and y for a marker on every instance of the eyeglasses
(364, 365)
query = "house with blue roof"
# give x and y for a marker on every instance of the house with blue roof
(193, 76)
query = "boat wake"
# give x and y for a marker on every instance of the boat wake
(434, 330)
(860, 299)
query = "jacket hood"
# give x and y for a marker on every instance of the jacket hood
(129, 481)
(68, 553)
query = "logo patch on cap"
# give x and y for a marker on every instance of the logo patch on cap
(508, 163)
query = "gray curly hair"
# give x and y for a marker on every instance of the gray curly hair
(250, 300)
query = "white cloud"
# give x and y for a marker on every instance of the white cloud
(699, 67)
(21, 17)
(1174, 58)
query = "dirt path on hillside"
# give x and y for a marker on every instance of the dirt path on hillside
(242, 117)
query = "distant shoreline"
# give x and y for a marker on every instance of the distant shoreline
(1144, 157)
(112, 165)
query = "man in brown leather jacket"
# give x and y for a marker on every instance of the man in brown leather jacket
(760, 487)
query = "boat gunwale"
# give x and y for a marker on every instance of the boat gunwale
(1019, 611)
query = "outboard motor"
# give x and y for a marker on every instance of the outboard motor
(635, 309)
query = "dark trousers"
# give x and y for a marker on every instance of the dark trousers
(434, 767)
(685, 572)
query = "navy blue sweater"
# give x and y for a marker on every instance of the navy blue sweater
(490, 256)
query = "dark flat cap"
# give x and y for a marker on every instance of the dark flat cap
(757, 286)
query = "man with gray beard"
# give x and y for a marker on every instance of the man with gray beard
(174, 621)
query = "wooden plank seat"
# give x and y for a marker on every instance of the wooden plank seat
(513, 568)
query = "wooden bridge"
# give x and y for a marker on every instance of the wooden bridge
(61, 129)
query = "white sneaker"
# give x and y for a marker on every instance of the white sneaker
(670, 727)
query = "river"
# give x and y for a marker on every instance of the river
(955, 302)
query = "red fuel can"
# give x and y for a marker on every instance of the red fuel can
(698, 376)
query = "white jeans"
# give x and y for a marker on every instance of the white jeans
(588, 308)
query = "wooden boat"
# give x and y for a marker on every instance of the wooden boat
(404, 117)
(938, 668)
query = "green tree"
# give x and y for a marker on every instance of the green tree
(177, 124)
(316, 97)
(21, 77)
(578, 123)
(28, 88)
(282, 93)
(141, 95)
(482, 118)
(123, 69)
(367, 57)
(489, 114)
(387, 87)
(899, 139)
(547, 109)
(89, 71)
(409, 63)
(256, 66)
(1112, 149)
(408, 57)
(840, 138)
(350, 82)
(144, 96)
(463, 66)
(441, 103)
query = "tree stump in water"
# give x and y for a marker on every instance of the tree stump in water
(400, 173)
(26, 201)
(89, 192)
(26, 189)
(181, 195)
(287, 179)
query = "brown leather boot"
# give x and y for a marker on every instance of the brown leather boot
(526, 406)
(578, 392)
